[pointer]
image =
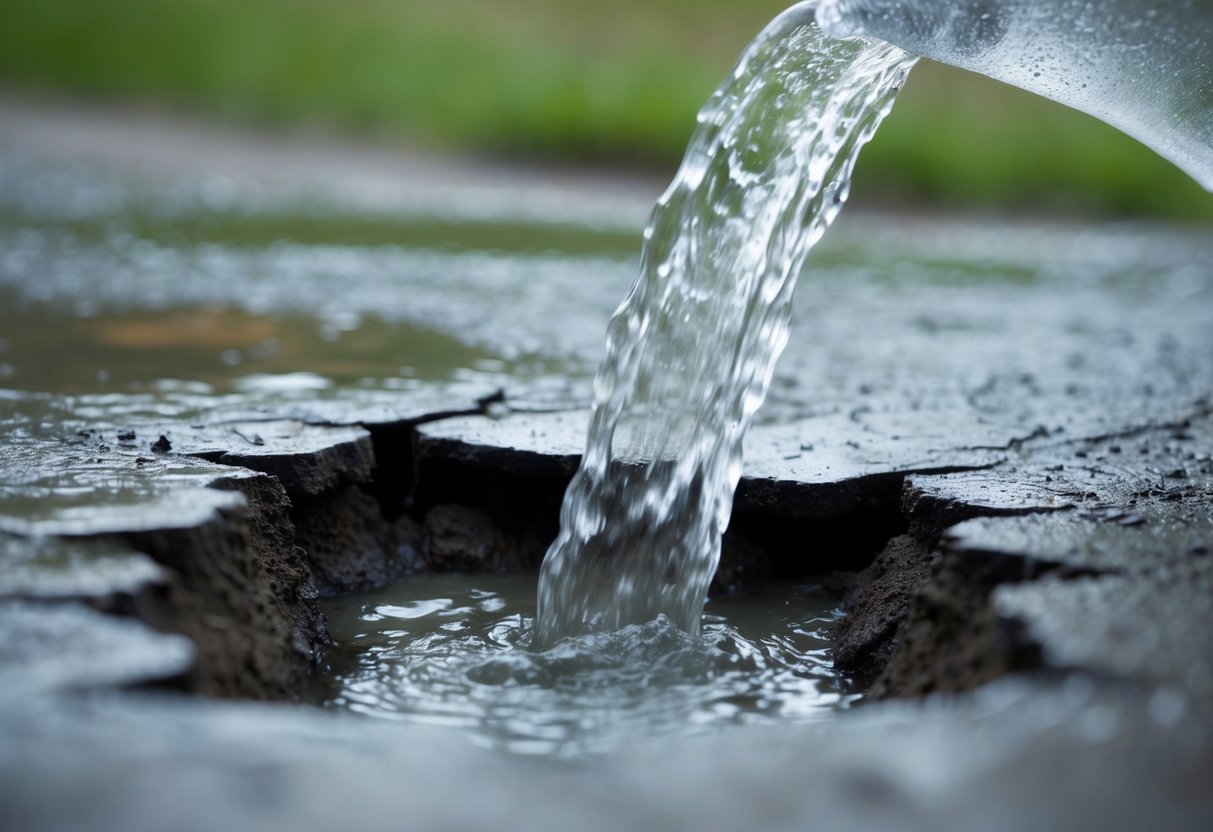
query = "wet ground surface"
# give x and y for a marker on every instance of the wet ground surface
(228, 391)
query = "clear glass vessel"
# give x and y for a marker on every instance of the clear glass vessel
(1143, 67)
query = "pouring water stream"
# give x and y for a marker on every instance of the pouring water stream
(692, 349)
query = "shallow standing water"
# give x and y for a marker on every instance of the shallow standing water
(453, 650)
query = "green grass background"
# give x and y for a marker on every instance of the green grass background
(610, 82)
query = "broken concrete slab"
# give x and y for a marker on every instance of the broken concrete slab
(815, 467)
(806, 468)
(51, 648)
(933, 503)
(72, 486)
(1151, 628)
(308, 460)
(1119, 507)
(228, 573)
(1105, 505)
(823, 450)
(96, 571)
(540, 445)
(1128, 541)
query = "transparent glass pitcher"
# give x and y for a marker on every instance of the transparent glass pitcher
(1143, 67)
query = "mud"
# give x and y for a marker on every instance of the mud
(350, 546)
(877, 601)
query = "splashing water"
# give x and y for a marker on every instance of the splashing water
(442, 650)
(691, 351)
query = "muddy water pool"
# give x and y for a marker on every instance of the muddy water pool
(453, 650)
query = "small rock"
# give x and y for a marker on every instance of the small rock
(126, 436)
(162, 445)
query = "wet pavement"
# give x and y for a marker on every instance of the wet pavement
(228, 390)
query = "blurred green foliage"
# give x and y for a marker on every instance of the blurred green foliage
(601, 81)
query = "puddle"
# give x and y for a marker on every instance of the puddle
(189, 292)
(454, 651)
(145, 289)
(210, 349)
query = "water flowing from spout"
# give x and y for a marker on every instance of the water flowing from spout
(692, 349)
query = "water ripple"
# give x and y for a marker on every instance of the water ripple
(455, 651)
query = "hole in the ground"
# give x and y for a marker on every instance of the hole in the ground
(452, 648)
(416, 642)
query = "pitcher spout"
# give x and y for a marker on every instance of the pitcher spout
(1144, 68)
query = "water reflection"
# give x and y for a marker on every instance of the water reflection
(216, 350)
(137, 293)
